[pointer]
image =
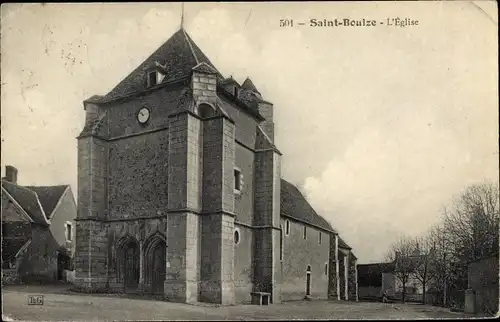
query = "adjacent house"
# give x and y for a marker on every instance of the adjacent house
(37, 230)
(180, 192)
(382, 278)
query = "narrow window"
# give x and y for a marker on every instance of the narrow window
(237, 180)
(152, 79)
(69, 231)
(281, 243)
(326, 268)
(319, 238)
(236, 237)
(287, 227)
(305, 232)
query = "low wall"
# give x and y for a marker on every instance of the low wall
(483, 280)
(10, 276)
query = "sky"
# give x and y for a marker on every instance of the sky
(379, 126)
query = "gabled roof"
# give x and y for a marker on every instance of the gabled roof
(179, 55)
(229, 81)
(28, 200)
(49, 196)
(294, 205)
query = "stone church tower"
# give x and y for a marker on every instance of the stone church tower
(159, 179)
(180, 192)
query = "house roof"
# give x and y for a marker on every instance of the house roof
(295, 205)
(179, 55)
(28, 200)
(375, 268)
(49, 196)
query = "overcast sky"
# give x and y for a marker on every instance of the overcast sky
(379, 126)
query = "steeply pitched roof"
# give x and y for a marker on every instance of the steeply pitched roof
(49, 196)
(28, 200)
(248, 85)
(294, 205)
(179, 54)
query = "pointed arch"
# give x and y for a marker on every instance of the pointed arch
(127, 261)
(155, 258)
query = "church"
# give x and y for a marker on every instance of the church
(180, 193)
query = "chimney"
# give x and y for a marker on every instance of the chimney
(11, 174)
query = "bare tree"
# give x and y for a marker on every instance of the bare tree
(469, 232)
(472, 224)
(401, 255)
(426, 261)
(441, 257)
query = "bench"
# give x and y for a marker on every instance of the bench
(260, 298)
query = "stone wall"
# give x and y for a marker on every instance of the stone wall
(91, 255)
(243, 265)
(10, 276)
(244, 124)
(352, 278)
(39, 263)
(298, 253)
(267, 111)
(138, 181)
(122, 114)
(483, 280)
(244, 201)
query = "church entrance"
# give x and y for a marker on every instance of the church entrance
(156, 250)
(131, 266)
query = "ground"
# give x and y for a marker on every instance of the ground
(61, 304)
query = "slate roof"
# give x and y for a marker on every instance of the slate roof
(343, 244)
(248, 85)
(49, 196)
(28, 200)
(179, 55)
(295, 205)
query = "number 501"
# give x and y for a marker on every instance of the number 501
(286, 22)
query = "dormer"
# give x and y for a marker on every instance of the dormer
(232, 86)
(156, 75)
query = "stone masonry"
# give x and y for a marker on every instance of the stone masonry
(188, 203)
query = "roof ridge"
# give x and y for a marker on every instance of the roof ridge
(10, 196)
(41, 207)
(186, 37)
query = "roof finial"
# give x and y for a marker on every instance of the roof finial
(182, 16)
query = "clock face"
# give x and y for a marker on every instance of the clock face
(143, 115)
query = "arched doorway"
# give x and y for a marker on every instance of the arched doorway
(308, 280)
(155, 260)
(129, 264)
